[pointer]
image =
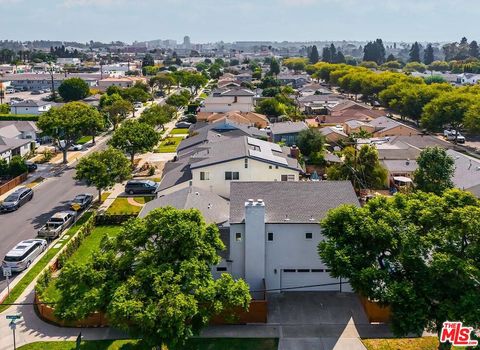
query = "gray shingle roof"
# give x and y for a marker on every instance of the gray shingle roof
(299, 202)
(214, 208)
(467, 171)
(31, 103)
(245, 147)
(287, 127)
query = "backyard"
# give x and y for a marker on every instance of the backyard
(90, 244)
(169, 145)
(192, 344)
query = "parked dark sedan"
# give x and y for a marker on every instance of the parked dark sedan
(81, 201)
(16, 199)
(141, 187)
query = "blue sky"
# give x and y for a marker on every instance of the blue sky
(231, 20)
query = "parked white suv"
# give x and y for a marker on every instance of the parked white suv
(22, 255)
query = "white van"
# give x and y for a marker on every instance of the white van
(22, 255)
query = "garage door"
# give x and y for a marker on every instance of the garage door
(309, 279)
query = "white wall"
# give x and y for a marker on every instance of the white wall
(256, 171)
(227, 104)
(255, 245)
(289, 250)
(30, 110)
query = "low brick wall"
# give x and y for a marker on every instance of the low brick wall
(375, 312)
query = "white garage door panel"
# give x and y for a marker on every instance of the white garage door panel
(292, 278)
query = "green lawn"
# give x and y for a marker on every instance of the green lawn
(169, 145)
(192, 344)
(120, 205)
(425, 343)
(83, 140)
(90, 244)
(40, 265)
(178, 131)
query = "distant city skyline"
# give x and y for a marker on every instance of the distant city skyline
(248, 20)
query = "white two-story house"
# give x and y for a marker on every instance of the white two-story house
(215, 165)
(275, 231)
(227, 100)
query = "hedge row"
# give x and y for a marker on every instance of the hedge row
(113, 219)
(76, 241)
(87, 227)
(27, 117)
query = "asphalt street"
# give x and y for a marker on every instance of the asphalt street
(49, 197)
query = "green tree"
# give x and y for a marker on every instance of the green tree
(391, 58)
(92, 123)
(415, 66)
(118, 111)
(374, 51)
(153, 280)
(158, 115)
(16, 166)
(310, 142)
(414, 53)
(194, 81)
(4, 108)
(472, 118)
(362, 167)
(271, 107)
(435, 170)
(134, 137)
(274, 67)
(473, 49)
(447, 109)
(103, 169)
(148, 61)
(416, 253)
(313, 57)
(177, 101)
(65, 124)
(439, 66)
(73, 89)
(428, 56)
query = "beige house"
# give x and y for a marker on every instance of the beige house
(333, 134)
(214, 166)
(123, 82)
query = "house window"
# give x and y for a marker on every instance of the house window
(221, 269)
(288, 177)
(204, 175)
(276, 166)
(308, 235)
(246, 163)
(270, 236)
(232, 175)
(269, 167)
(238, 236)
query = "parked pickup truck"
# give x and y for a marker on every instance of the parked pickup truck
(57, 224)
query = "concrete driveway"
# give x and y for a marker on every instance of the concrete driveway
(310, 321)
(317, 320)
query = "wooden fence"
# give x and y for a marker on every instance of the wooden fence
(375, 312)
(12, 183)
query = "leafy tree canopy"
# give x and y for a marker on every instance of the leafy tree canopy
(417, 253)
(73, 89)
(153, 280)
(435, 170)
